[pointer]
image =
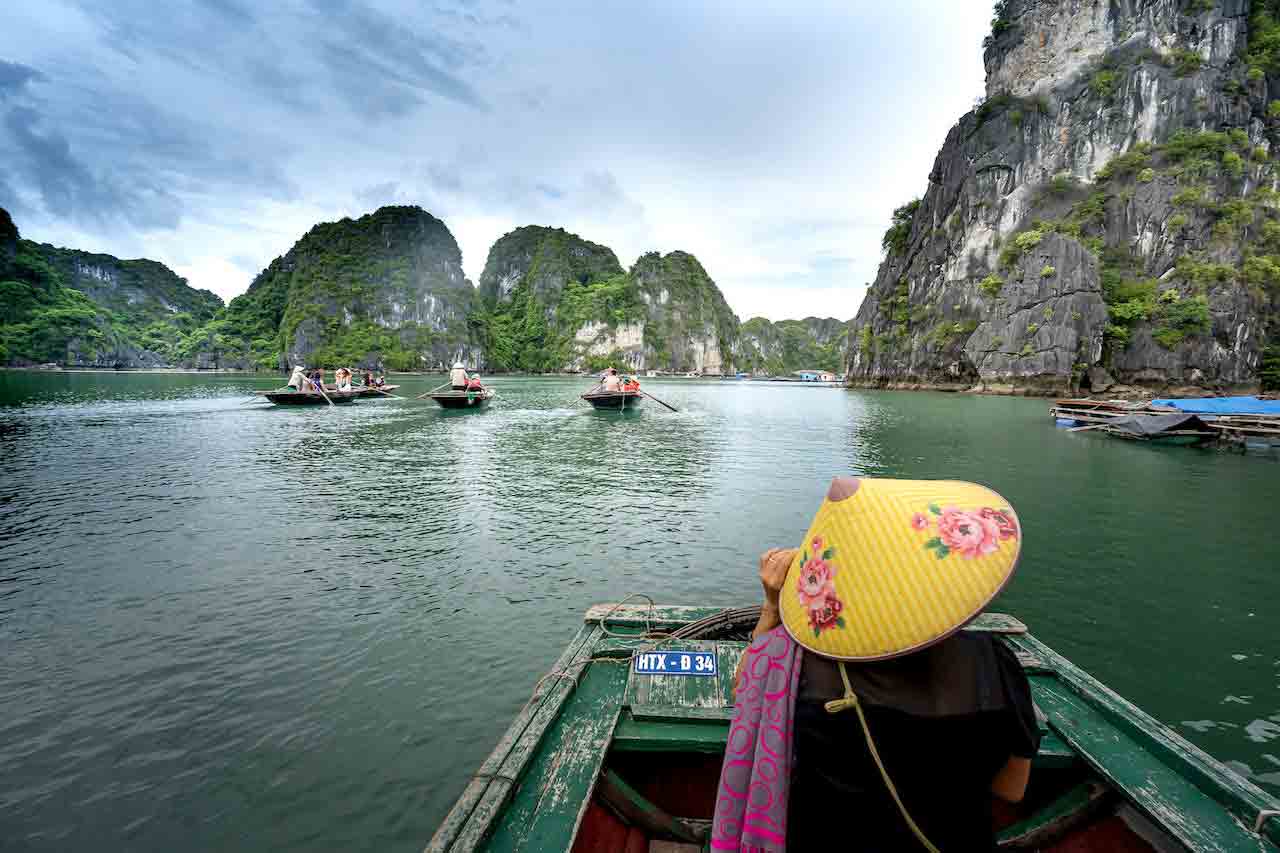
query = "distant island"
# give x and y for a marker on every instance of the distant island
(387, 291)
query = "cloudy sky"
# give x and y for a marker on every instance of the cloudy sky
(772, 140)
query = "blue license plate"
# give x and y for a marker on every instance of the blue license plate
(675, 663)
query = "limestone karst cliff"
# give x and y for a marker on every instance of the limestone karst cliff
(385, 290)
(92, 310)
(1108, 215)
(551, 300)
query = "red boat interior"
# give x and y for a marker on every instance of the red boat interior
(662, 802)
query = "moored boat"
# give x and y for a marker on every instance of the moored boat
(608, 757)
(462, 399)
(309, 398)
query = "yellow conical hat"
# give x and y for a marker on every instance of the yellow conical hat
(892, 566)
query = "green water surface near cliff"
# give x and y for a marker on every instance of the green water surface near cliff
(228, 626)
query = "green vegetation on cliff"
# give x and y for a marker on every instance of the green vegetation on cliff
(387, 287)
(539, 287)
(786, 346)
(72, 307)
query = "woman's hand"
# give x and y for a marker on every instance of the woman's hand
(773, 572)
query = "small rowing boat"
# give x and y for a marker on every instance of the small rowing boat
(613, 399)
(620, 749)
(462, 399)
(288, 397)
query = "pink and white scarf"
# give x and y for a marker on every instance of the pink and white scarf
(751, 806)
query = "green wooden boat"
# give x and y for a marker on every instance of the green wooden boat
(603, 758)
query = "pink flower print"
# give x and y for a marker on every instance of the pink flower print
(824, 613)
(969, 533)
(920, 521)
(815, 581)
(1004, 522)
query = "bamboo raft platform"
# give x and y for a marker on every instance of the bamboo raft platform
(1230, 428)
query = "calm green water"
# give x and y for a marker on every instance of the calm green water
(229, 626)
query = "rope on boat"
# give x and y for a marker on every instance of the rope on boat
(658, 637)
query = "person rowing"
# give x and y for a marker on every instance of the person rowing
(611, 381)
(458, 377)
(298, 381)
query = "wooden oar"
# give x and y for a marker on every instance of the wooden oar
(380, 391)
(656, 400)
(320, 388)
(432, 391)
(1083, 428)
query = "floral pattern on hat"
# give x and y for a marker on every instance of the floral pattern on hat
(969, 532)
(815, 587)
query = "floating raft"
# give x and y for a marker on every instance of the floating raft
(1232, 420)
(613, 399)
(309, 398)
(604, 758)
(463, 399)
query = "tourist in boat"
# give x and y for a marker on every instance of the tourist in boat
(342, 379)
(458, 377)
(317, 381)
(298, 381)
(949, 712)
(630, 383)
(473, 383)
(368, 379)
(380, 382)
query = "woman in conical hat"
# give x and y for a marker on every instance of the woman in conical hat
(888, 728)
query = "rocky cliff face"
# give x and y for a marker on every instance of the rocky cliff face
(87, 310)
(385, 291)
(1107, 215)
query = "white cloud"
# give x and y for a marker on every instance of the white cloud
(771, 140)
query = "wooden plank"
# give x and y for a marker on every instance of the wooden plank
(667, 735)
(1054, 753)
(687, 696)
(639, 615)
(528, 724)
(1134, 771)
(997, 623)
(1154, 781)
(1243, 798)
(1054, 820)
(547, 806)
(678, 712)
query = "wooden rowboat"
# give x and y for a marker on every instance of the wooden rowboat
(308, 398)
(605, 758)
(613, 399)
(463, 399)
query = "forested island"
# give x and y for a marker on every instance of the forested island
(387, 291)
